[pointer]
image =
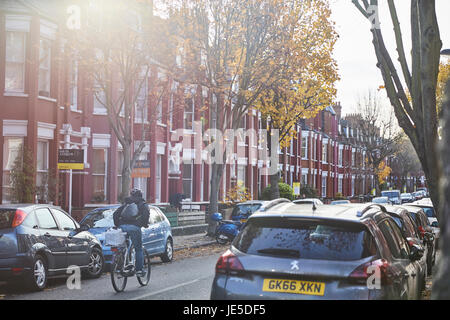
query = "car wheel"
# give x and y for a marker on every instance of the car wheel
(38, 276)
(96, 264)
(167, 256)
(221, 239)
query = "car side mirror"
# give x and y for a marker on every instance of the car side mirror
(435, 224)
(416, 252)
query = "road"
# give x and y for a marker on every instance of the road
(185, 279)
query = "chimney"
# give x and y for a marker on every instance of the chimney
(338, 108)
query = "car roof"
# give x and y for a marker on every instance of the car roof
(348, 212)
(27, 206)
(263, 202)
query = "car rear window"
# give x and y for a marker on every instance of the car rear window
(6, 218)
(245, 209)
(429, 212)
(306, 239)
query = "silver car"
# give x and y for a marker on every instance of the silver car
(331, 252)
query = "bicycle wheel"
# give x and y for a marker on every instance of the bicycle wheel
(143, 281)
(118, 280)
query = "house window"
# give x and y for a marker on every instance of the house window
(11, 150)
(304, 147)
(42, 163)
(158, 178)
(353, 159)
(171, 111)
(241, 170)
(15, 61)
(73, 91)
(304, 180)
(99, 100)
(324, 153)
(189, 113)
(187, 179)
(340, 185)
(340, 157)
(324, 187)
(141, 111)
(44, 67)
(99, 167)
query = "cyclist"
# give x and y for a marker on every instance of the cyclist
(132, 226)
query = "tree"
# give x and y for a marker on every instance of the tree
(22, 175)
(441, 287)
(226, 47)
(418, 117)
(380, 135)
(304, 82)
(117, 49)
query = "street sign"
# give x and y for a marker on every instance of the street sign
(141, 169)
(70, 159)
(296, 187)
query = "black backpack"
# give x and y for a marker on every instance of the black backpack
(130, 212)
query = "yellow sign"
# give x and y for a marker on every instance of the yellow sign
(294, 286)
(68, 166)
(296, 188)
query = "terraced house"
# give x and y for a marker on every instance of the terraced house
(48, 102)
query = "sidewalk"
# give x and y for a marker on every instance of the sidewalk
(192, 241)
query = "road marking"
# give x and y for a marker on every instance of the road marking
(168, 288)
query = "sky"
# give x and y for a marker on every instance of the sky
(354, 50)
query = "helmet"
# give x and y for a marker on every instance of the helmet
(216, 216)
(136, 193)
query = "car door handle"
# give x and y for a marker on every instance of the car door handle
(47, 234)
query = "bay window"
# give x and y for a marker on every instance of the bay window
(44, 67)
(12, 148)
(15, 61)
(99, 167)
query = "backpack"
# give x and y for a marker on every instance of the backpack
(130, 212)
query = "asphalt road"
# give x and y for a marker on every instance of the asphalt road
(185, 279)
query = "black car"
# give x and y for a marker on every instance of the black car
(41, 241)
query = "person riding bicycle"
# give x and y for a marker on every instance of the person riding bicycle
(132, 224)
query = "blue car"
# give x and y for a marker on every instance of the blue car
(156, 239)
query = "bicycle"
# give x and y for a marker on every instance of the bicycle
(123, 266)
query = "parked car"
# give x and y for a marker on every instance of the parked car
(296, 252)
(381, 200)
(418, 195)
(407, 197)
(411, 233)
(428, 208)
(334, 202)
(157, 238)
(425, 232)
(317, 202)
(393, 195)
(243, 210)
(41, 241)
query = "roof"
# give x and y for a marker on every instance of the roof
(348, 212)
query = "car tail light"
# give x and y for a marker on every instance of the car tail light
(422, 232)
(18, 218)
(228, 263)
(362, 273)
(114, 249)
(16, 270)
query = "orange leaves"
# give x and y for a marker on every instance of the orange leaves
(383, 171)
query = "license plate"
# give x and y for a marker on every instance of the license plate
(294, 286)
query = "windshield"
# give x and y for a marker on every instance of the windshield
(100, 219)
(305, 240)
(245, 209)
(390, 194)
(380, 200)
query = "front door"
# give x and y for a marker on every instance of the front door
(77, 245)
(53, 238)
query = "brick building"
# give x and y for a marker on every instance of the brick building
(47, 103)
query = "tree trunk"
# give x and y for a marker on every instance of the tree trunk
(216, 176)
(274, 190)
(126, 172)
(441, 283)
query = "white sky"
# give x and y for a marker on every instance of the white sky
(354, 50)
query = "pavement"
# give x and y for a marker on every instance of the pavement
(192, 241)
